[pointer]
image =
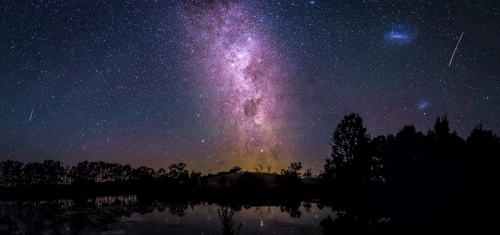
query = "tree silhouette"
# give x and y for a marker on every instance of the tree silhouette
(399, 168)
(235, 169)
(143, 177)
(308, 173)
(441, 127)
(173, 173)
(289, 178)
(349, 139)
(257, 169)
(178, 171)
(293, 170)
(193, 178)
(379, 154)
(32, 173)
(84, 173)
(195, 175)
(53, 172)
(484, 149)
(10, 172)
(161, 174)
(483, 145)
(123, 172)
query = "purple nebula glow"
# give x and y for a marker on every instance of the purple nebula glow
(243, 71)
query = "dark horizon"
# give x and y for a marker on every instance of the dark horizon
(273, 168)
(404, 182)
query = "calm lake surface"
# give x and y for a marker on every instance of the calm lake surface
(132, 215)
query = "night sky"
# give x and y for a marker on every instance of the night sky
(229, 83)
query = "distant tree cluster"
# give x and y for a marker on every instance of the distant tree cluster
(293, 170)
(260, 168)
(235, 169)
(50, 172)
(290, 177)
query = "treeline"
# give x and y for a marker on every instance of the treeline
(420, 179)
(51, 173)
(437, 159)
(102, 176)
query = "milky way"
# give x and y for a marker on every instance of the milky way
(244, 71)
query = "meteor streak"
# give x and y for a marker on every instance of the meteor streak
(455, 48)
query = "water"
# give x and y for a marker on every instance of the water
(128, 215)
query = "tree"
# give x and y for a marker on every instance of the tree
(482, 144)
(289, 178)
(256, 169)
(178, 171)
(84, 173)
(399, 168)
(144, 175)
(484, 150)
(32, 173)
(53, 172)
(123, 172)
(10, 173)
(293, 170)
(348, 140)
(235, 169)
(308, 173)
(269, 168)
(161, 174)
(441, 127)
(379, 155)
(195, 175)
(193, 178)
(261, 167)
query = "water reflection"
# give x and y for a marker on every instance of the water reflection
(133, 215)
(226, 218)
(292, 210)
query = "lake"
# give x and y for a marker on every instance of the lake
(131, 214)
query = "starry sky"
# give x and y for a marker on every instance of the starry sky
(216, 84)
